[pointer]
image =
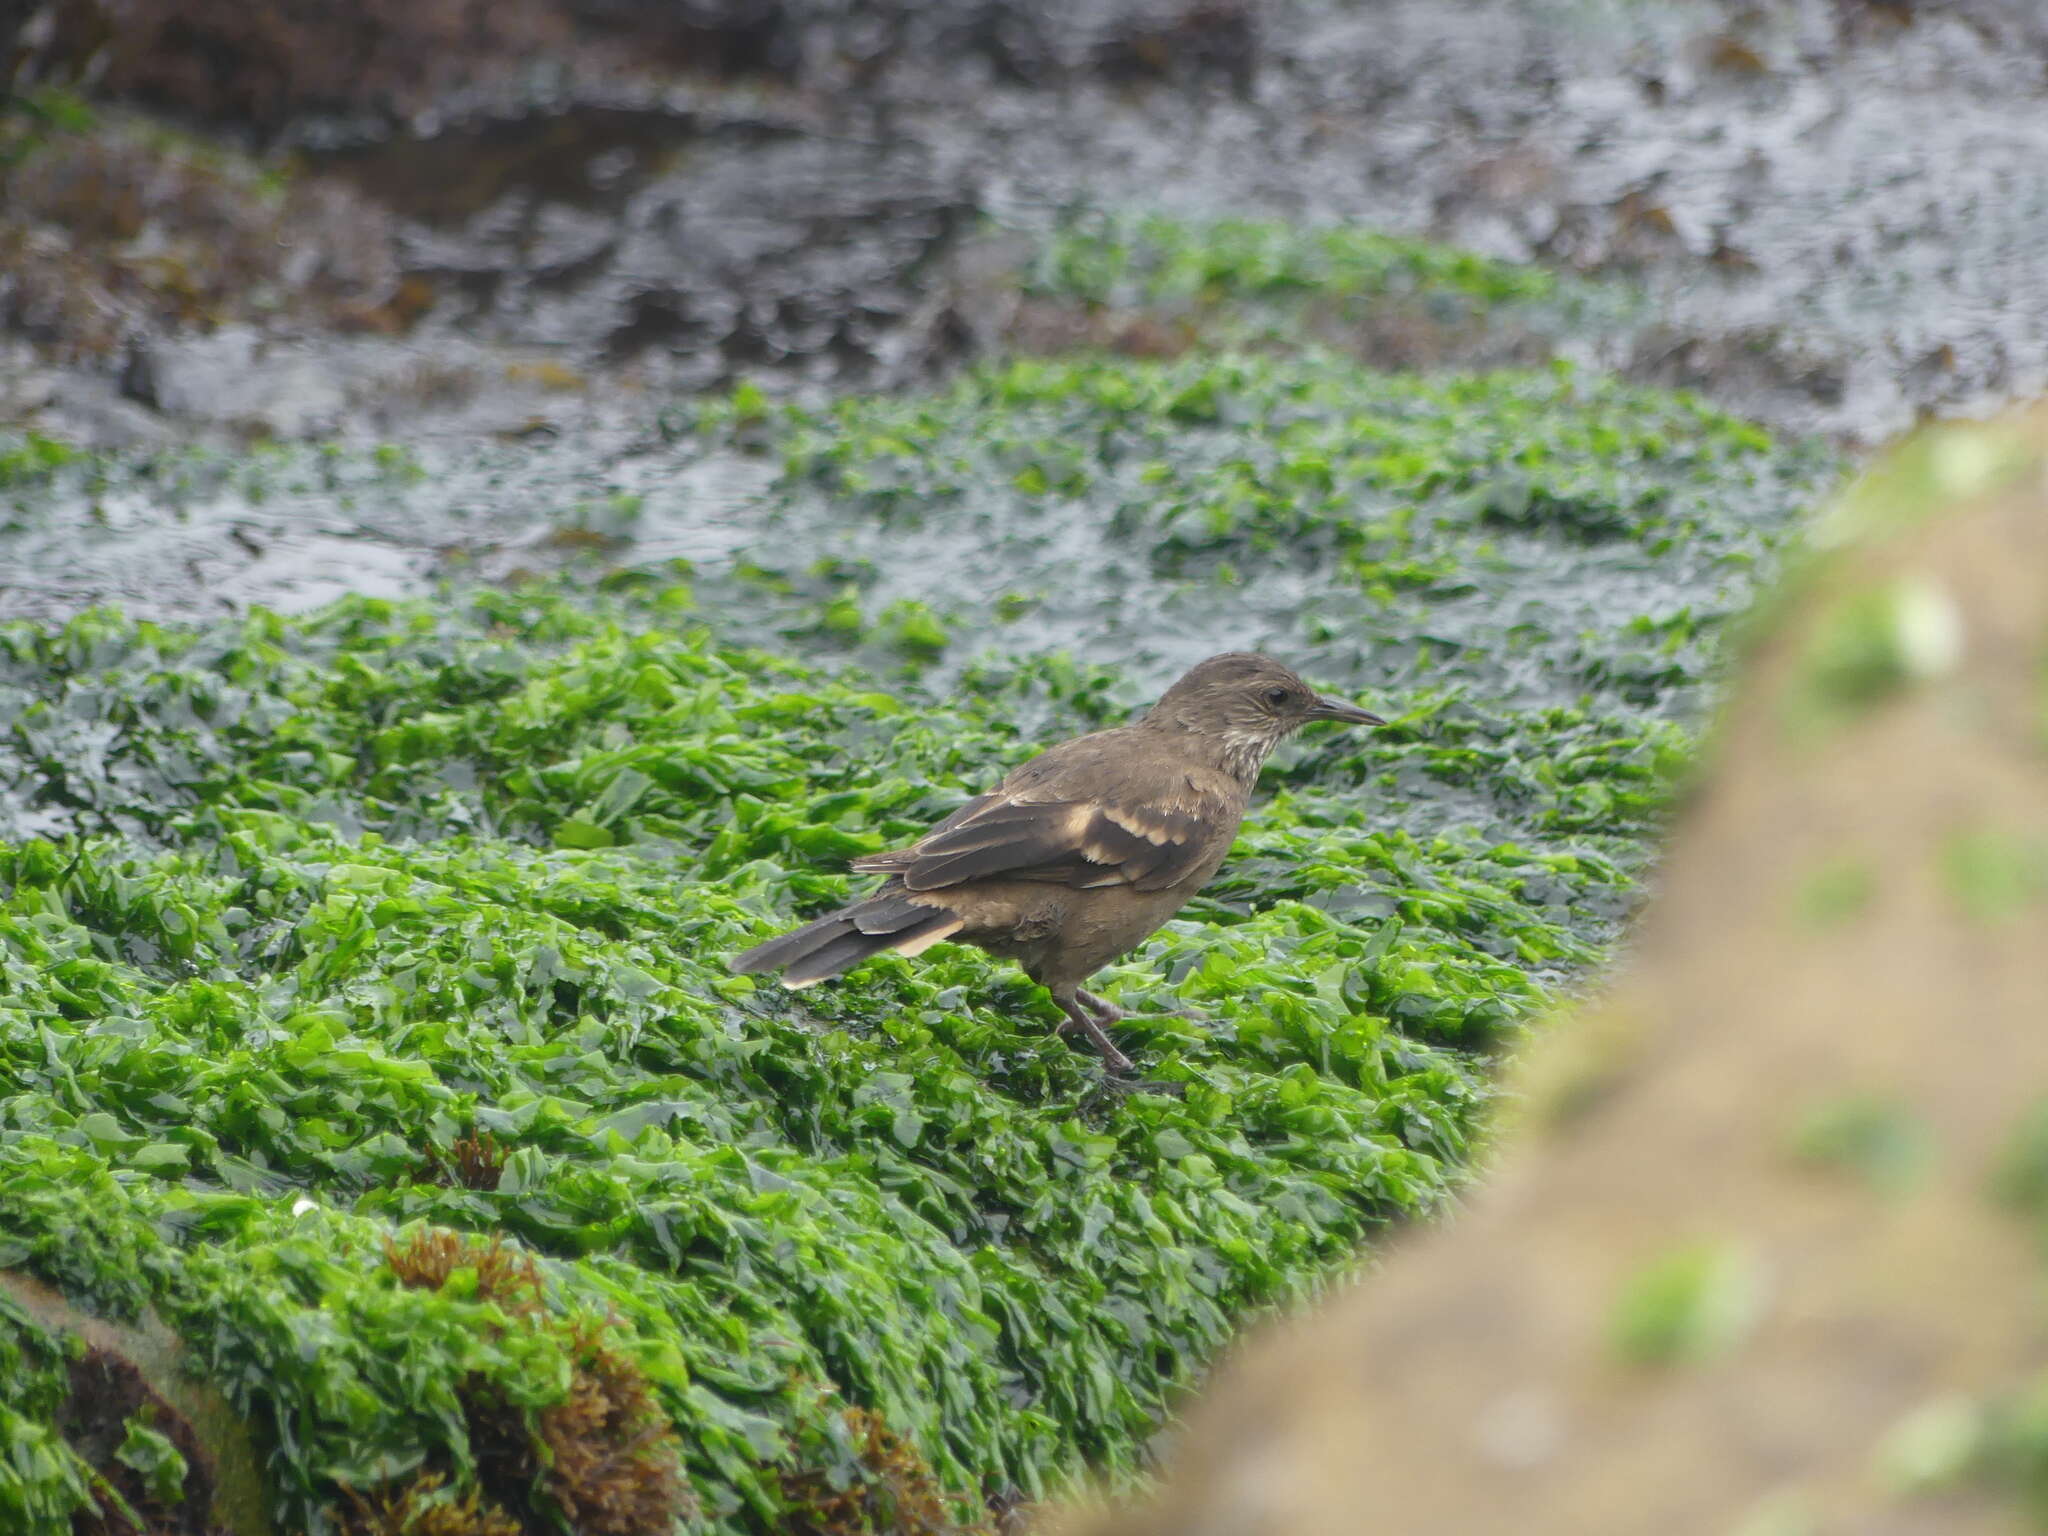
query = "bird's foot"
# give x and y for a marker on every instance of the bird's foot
(1113, 1082)
(1087, 1014)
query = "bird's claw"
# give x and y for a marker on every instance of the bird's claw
(1116, 1083)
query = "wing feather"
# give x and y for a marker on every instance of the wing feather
(1079, 842)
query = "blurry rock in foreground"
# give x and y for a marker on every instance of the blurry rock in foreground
(1764, 1250)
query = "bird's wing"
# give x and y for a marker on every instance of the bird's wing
(1090, 813)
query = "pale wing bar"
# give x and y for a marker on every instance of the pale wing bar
(1077, 843)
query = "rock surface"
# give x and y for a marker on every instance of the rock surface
(141, 1366)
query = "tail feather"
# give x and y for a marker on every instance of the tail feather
(830, 959)
(773, 954)
(840, 940)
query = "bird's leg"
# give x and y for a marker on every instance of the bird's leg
(1080, 1018)
(1108, 1013)
(1104, 1010)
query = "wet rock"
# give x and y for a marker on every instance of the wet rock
(703, 191)
(1186, 44)
(1763, 1252)
(90, 412)
(219, 60)
(25, 386)
(237, 377)
(388, 60)
(698, 247)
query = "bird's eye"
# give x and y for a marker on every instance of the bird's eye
(1276, 696)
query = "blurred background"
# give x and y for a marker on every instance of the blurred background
(436, 216)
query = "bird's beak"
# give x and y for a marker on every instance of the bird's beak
(1344, 714)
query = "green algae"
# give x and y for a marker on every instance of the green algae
(1150, 283)
(30, 119)
(1836, 892)
(30, 459)
(42, 1480)
(1873, 1138)
(1151, 258)
(1993, 875)
(310, 915)
(1687, 1306)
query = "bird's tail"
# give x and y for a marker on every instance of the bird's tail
(836, 943)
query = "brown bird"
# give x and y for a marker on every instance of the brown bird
(1081, 853)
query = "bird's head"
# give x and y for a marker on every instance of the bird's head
(1246, 704)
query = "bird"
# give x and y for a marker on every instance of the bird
(1080, 854)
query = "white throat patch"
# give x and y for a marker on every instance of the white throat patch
(1245, 752)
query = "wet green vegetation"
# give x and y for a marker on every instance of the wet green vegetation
(1156, 285)
(344, 912)
(322, 933)
(1128, 261)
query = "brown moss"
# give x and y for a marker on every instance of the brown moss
(389, 314)
(549, 375)
(479, 1161)
(1048, 327)
(896, 1491)
(424, 1506)
(120, 230)
(605, 1456)
(611, 1465)
(504, 1276)
(473, 1162)
(501, 1439)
